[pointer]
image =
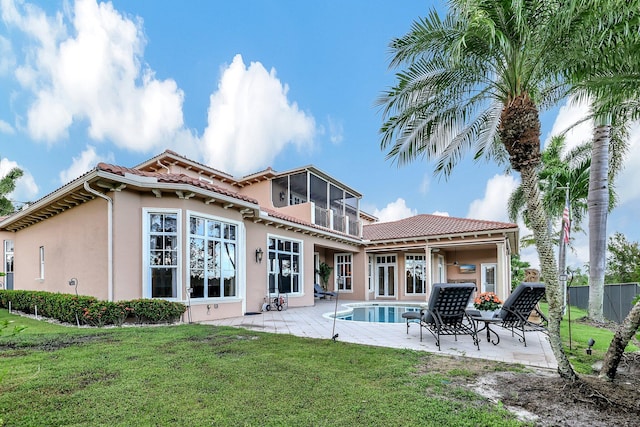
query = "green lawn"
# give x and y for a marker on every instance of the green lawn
(580, 334)
(202, 375)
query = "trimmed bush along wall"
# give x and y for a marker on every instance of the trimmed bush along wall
(86, 310)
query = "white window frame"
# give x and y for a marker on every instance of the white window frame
(371, 272)
(146, 267)
(300, 254)
(347, 279)
(240, 254)
(41, 254)
(423, 259)
(386, 263)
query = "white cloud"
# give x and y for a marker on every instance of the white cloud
(493, 206)
(627, 182)
(96, 75)
(251, 120)
(82, 164)
(569, 114)
(6, 127)
(394, 211)
(26, 188)
(7, 58)
(425, 184)
(336, 130)
(438, 213)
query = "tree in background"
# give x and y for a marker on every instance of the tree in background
(7, 185)
(577, 277)
(559, 168)
(607, 76)
(623, 262)
(518, 268)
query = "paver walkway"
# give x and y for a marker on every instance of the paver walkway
(315, 322)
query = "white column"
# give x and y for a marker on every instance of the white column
(503, 268)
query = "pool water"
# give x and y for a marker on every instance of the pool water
(378, 313)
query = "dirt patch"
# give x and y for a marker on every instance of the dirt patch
(545, 399)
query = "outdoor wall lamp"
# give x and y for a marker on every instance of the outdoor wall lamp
(259, 255)
(590, 344)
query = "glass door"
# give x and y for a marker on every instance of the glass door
(488, 272)
(284, 266)
(386, 275)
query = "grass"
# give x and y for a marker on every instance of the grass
(204, 375)
(581, 332)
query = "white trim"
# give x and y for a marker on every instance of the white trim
(425, 260)
(110, 296)
(41, 256)
(483, 268)
(395, 275)
(146, 285)
(301, 256)
(241, 250)
(336, 285)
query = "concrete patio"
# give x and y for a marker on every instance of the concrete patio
(315, 322)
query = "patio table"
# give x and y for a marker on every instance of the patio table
(488, 321)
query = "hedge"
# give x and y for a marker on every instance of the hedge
(88, 310)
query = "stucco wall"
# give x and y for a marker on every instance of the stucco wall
(74, 246)
(261, 191)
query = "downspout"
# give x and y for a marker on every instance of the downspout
(109, 238)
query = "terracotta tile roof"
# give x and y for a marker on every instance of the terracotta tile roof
(429, 225)
(174, 179)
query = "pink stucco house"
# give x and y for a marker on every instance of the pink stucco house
(177, 229)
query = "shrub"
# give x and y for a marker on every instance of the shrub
(156, 310)
(102, 313)
(89, 310)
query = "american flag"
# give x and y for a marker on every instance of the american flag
(566, 223)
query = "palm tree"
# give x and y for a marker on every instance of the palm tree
(475, 81)
(609, 77)
(557, 171)
(560, 169)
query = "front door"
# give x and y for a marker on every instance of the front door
(386, 275)
(488, 272)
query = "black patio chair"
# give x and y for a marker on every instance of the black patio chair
(445, 313)
(519, 306)
(318, 292)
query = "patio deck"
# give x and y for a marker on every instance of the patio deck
(310, 322)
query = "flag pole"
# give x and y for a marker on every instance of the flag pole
(562, 251)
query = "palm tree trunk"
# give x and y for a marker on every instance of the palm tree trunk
(620, 340)
(538, 223)
(598, 206)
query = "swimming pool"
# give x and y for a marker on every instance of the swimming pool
(377, 313)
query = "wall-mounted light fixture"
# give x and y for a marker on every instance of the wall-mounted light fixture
(259, 255)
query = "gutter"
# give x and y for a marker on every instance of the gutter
(109, 237)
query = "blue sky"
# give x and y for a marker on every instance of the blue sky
(241, 86)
